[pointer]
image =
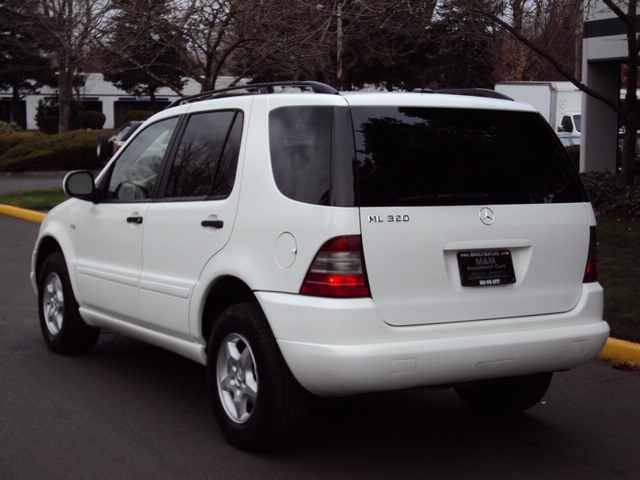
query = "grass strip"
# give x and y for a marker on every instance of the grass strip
(41, 199)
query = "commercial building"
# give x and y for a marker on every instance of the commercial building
(99, 95)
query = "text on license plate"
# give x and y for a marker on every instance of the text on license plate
(480, 268)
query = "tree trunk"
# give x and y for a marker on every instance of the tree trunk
(631, 99)
(15, 115)
(631, 125)
(65, 96)
(339, 47)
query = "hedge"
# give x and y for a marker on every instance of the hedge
(610, 197)
(36, 151)
(9, 127)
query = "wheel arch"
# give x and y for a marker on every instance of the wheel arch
(46, 247)
(224, 292)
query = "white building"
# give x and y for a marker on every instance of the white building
(97, 94)
(604, 51)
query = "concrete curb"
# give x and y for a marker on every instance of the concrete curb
(22, 213)
(614, 350)
(621, 351)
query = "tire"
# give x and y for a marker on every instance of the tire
(256, 401)
(63, 328)
(506, 395)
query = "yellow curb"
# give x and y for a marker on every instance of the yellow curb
(614, 349)
(621, 351)
(23, 213)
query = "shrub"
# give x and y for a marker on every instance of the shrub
(47, 115)
(574, 153)
(610, 197)
(48, 123)
(38, 152)
(91, 119)
(6, 127)
(9, 141)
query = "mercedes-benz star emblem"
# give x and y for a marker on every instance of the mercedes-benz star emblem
(487, 216)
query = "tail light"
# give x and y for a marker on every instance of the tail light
(591, 270)
(338, 270)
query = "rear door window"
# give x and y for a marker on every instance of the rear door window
(206, 156)
(436, 156)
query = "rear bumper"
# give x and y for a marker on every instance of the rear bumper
(342, 347)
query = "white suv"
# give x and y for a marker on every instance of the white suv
(304, 242)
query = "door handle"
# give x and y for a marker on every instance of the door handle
(212, 223)
(137, 219)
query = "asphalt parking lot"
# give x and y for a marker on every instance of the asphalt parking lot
(131, 411)
(16, 182)
(128, 410)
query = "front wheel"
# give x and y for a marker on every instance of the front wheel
(63, 328)
(257, 402)
(506, 395)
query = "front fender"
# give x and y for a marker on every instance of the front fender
(55, 235)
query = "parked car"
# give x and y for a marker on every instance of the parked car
(107, 146)
(309, 242)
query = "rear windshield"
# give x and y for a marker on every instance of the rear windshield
(437, 156)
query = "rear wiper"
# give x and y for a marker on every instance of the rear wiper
(444, 199)
(465, 196)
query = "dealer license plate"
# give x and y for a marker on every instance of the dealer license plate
(481, 268)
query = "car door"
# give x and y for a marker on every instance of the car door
(194, 218)
(109, 233)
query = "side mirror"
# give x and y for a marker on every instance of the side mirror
(80, 184)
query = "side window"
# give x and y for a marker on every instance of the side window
(207, 156)
(134, 175)
(567, 125)
(300, 146)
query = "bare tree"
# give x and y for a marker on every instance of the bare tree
(625, 11)
(139, 46)
(144, 51)
(556, 25)
(64, 29)
(218, 32)
(327, 39)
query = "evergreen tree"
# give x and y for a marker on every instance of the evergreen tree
(460, 53)
(145, 51)
(23, 69)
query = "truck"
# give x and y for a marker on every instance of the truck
(559, 103)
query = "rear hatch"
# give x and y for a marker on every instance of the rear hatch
(467, 214)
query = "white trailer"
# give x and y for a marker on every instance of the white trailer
(559, 102)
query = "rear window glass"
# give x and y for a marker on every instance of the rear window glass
(436, 156)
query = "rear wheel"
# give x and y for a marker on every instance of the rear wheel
(256, 400)
(506, 395)
(62, 327)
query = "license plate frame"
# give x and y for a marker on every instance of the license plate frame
(485, 268)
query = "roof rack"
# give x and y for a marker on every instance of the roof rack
(472, 92)
(256, 88)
